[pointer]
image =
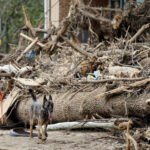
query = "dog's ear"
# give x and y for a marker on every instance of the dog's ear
(44, 100)
(50, 97)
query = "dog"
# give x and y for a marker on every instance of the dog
(42, 113)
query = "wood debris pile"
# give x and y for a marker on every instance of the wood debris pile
(60, 64)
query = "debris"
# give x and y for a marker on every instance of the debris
(30, 56)
(9, 69)
(30, 82)
(93, 64)
(97, 74)
(20, 132)
(90, 77)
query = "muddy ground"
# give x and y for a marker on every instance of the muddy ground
(64, 140)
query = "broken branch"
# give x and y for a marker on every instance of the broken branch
(27, 21)
(138, 83)
(139, 32)
(30, 39)
(90, 15)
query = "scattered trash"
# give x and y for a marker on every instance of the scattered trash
(90, 77)
(9, 69)
(97, 74)
(30, 56)
(20, 132)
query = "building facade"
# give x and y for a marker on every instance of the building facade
(60, 8)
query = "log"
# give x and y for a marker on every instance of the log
(30, 39)
(66, 109)
(79, 125)
(28, 48)
(92, 16)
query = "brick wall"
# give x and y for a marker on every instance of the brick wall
(98, 3)
(63, 8)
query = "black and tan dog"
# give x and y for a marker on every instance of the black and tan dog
(42, 113)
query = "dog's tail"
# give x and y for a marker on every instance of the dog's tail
(32, 94)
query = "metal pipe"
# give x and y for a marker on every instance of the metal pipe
(46, 14)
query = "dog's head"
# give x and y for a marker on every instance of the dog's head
(48, 105)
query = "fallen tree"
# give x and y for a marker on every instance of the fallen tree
(70, 106)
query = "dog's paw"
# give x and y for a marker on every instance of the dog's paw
(44, 138)
(46, 134)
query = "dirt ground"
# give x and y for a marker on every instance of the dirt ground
(63, 140)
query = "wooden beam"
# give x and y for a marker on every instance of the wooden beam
(30, 39)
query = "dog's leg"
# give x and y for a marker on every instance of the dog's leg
(45, 128)
(31, 128)
(42, 132)
(38, 129)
